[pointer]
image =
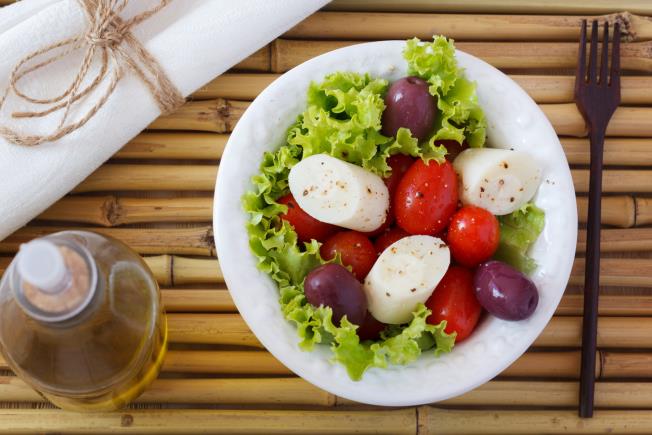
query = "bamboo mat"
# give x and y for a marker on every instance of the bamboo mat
(156, 195)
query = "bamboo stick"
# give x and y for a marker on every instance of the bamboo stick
(198, 300)
(560, 364)
(218, 116)
(196, 146)
(544, 89)
(261, 391)
(626, 121)
(559, 89)
(188, 271)
(4, 264)
(518, 393)
(619, 211)
(258, 61)
(111, 211)
(382, 25)
(620, 332)
(199, 240)
(237, 86)
(495, 6)
(190, 241)
(172, 270)
(615, 180)
(565, 364)
(210, 329)
(632, 272)
(223, 362)
(212, 421)
(643, 211)
(503, 422)
(121, 177)
(296, 391)
(620, 240)
(209, 146)
(616, 272)
(610, 305)
(161, 267)
(617, 151)
(288, 53)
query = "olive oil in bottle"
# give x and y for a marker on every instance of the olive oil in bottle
(81, 321)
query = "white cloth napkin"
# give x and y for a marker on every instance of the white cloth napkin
(193, 40)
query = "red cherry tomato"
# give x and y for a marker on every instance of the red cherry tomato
(453, 147)
(426, 197)
(355, 249)
(388, 237)
(370, 328)
(399, 163)
(306, 226)
(454, 301)
(473, 235)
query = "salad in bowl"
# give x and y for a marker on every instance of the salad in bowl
(393, 232)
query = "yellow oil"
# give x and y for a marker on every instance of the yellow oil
(104, 357)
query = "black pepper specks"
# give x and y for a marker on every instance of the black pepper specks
(511, 199)
(387, 294)
(413, 290)
(305, 192)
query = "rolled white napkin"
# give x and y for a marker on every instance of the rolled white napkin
(193, 41)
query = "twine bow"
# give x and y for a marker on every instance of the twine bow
(109, 37)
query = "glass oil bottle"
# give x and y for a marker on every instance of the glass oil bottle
(81, 321)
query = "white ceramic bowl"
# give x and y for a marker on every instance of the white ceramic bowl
(514, 121)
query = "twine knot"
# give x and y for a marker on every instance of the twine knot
(108, 37)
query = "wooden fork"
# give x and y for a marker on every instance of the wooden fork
(596, 96)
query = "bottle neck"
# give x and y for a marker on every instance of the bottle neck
(65, 297)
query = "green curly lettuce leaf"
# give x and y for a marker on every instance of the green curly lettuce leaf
(460, 117)
(518, 231)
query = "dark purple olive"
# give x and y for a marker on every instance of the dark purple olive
(334, 286)
(370, 328)
(504, 291)
(410, 105)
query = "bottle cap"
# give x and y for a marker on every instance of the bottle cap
(41, 264)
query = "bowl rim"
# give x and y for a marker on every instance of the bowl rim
(329, 378)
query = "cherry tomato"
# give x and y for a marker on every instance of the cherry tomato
(370, 328)
(399, 163)
(355, 249)
(388, 237)
(426, 197)
(306, 226)
(454, 301)
(453, 147)
(473, 235)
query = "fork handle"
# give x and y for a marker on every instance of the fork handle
(591, 275)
